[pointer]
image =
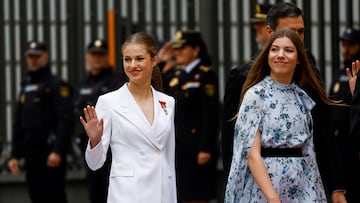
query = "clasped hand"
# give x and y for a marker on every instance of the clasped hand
(92, 125)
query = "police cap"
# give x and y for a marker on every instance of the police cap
(351, 35)
(261, 11)
(35, 48)
(183, 38)
(98, 45)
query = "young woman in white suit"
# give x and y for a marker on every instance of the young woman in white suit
(137, 122)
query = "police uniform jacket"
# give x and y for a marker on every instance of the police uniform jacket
(196, 119)
(89, 90)
(196, 124)
(143, 166)
(93, 86)
(44, 115)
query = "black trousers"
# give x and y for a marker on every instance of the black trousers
(351, 163)
(45, 184)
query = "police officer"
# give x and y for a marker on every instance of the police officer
(259, 24)
(339, 90)
(194, 85)
(350, 51)
(100, 79)
(42, 128)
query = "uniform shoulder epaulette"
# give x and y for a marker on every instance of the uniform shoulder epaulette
(205, 68)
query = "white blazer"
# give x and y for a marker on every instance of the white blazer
(143, 155)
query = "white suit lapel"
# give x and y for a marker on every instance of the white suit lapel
(132, 112)
(162, 114)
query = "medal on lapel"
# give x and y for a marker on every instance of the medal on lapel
(163, 106)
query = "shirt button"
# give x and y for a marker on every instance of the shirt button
(141, 152)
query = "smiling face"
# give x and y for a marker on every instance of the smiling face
(282, 59)
(138, 64)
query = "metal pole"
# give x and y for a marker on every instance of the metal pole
(166, 19)
(191, 14)
(35, 20)
(154, 20)
(209, 15)
(93, 19)
(57, 60)
(129, 20)
(141, 14)
(349, 13)
(23, 33)
(178, 20)
(227, 36)
(335, 34)
(2, 83)
(321, 42)
(239, 27)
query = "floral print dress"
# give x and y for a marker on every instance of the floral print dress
(282, 114)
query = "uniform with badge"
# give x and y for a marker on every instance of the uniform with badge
(195, 89)
(339, 90)
(43, 124)
(105, 80)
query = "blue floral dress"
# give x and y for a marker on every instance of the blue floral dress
(282, 115)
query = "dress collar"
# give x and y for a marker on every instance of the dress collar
(300, 94)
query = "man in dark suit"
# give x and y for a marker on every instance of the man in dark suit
(279, 16)
(339, 90)
(353, 75)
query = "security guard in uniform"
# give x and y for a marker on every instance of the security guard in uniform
(194, 86)
(100, 79)
(339, 90)
(42, 128)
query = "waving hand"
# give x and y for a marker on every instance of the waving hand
(92, 125)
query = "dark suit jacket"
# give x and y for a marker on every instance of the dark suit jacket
(328, 158)
(355, 110)
(237, 77)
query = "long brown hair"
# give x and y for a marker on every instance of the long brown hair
(151, 47)
(304, 73)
